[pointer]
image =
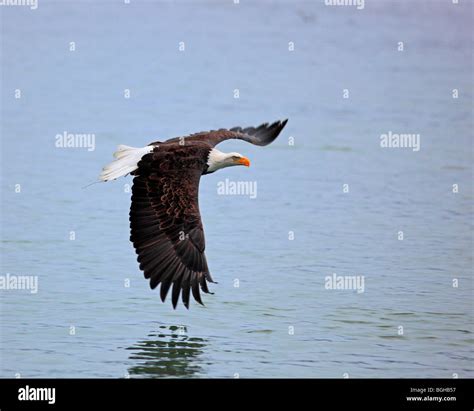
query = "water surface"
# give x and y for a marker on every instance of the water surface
(85, 321)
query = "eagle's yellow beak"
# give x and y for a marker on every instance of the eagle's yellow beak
(244, 161)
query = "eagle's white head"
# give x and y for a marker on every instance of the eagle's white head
(217, 159)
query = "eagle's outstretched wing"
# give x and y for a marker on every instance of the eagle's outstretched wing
(165, 222)
(260, 136)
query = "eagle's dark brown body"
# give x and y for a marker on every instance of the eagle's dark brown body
(165, 222)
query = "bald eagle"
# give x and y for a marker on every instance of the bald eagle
(165, 223)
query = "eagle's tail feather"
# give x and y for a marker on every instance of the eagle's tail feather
(126, 161)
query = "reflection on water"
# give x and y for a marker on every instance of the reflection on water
(168, 352)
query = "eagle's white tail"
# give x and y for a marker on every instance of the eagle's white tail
(126, 161)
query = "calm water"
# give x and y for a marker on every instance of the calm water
(281, 321)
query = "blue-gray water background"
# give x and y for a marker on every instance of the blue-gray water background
(280, 321)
